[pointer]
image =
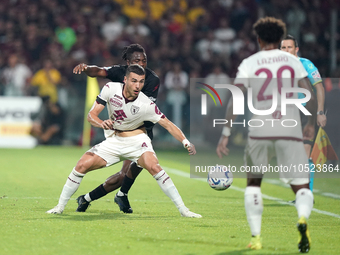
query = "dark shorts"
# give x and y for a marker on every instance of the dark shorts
(149, 126)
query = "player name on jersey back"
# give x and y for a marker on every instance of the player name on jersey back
(263, 73)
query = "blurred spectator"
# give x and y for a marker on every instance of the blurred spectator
(65, 34)
(133, 9)
(196, 11)
(295, 18)
(137, 28)
(176, 81)
(112, 28)
(209, 46)
(16, 77)
(224, 32)
(157, 8)
(46, 81)
(49, 126)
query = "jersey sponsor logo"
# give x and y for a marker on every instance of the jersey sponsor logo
(134, 109)
(115, 102)
(316, 74)
(144, 144)
(118, 96)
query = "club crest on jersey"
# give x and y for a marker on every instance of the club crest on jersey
(115, 102)
(134, 109)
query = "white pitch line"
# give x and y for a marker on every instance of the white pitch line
(316, 191)
(278, 200)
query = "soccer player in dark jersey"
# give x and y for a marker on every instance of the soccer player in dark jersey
(132, 54)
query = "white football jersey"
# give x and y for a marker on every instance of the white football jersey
(127, 115)
(264, 72)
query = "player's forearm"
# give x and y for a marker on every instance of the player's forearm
(176, 133)
(95, 71)
(229, 113)
(94, 120)
(172, 129)
(320, 95)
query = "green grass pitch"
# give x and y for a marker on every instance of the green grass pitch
(31, 182)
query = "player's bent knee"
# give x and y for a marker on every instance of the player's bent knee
(154, 169)
(89, 161)
(82, 167)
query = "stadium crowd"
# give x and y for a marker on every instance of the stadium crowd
(42, 40)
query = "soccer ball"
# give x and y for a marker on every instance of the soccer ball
(220, 177)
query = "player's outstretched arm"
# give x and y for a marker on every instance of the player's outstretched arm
(178, 134)
(95, 121)
(92, 71)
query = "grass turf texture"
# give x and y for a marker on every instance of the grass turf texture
(31, 182)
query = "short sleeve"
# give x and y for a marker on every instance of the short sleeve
(115, 73)
(105, 93)
(313, 73)
(242, 76)
(153, 113)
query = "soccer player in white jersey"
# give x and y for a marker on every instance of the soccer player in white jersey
(126, 137)
(266, 73)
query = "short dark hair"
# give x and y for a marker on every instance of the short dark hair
(135, 68)
(290, 37)
(270, 29)
(129, 50)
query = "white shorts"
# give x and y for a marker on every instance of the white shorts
(115, 148)
(290, 155)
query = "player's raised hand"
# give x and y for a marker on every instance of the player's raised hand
(79, 68)
(191, 149)
(107, 124)
(222, 146)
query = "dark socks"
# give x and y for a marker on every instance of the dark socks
(126, 185)
(98, 192)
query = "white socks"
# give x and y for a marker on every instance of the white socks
(168, 187)
(87, 197)
(254, 208)
(304, 202)
(70, 187)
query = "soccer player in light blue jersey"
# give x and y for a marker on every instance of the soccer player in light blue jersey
(289, 44)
